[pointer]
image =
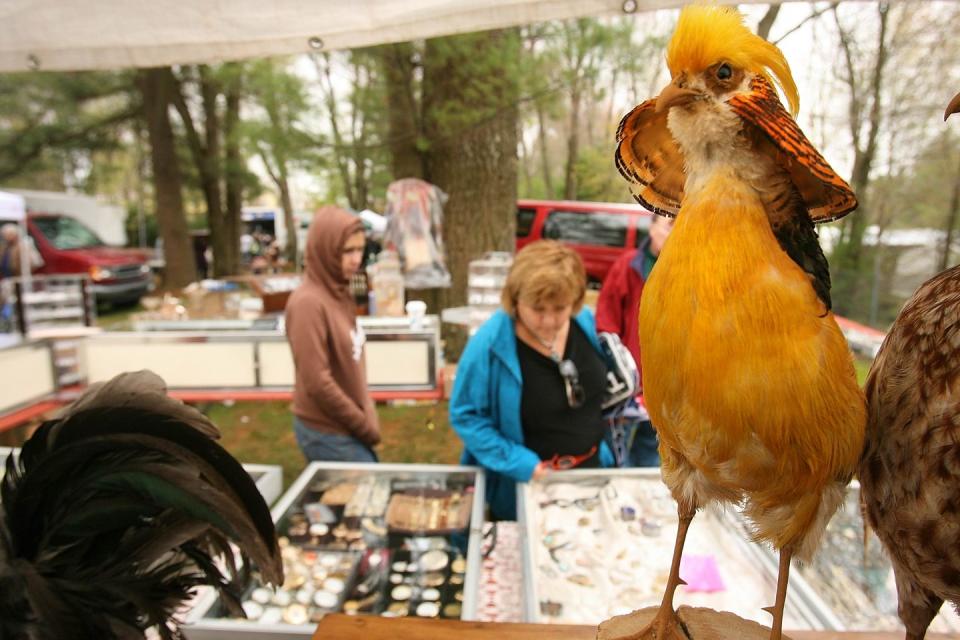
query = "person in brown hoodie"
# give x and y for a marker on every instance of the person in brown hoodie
(334, 416)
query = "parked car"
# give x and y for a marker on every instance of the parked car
(118, 276)
(598, 231)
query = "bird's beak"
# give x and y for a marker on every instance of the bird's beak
(673, 95)
(953, 107)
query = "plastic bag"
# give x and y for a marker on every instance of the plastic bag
(415, 231)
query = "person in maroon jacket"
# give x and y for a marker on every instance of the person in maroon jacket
(618, 309)
(334, 416)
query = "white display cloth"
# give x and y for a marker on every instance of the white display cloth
(111, 34)
(604, 549)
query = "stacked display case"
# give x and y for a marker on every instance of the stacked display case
(377, 539)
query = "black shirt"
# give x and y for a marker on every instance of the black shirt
(550, 425)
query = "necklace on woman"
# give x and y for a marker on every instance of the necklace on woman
(548, 345)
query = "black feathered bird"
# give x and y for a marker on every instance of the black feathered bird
(116, 511)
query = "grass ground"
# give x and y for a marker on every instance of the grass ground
(262, 433)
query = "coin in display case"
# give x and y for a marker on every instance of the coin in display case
(304, 595)
(428, 609)
(452, 610)
(325, 599)
(295, 614)
(459, 565)
(261, 595)
(430, 594)
(333, 584)
(253, 610)
(401, 592)
(432, 579)
(434, 560)
(397, 609)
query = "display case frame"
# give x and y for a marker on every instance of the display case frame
(200, 627)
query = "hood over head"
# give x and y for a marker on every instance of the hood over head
(329, 230)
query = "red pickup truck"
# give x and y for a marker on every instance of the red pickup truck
(598, 231)
(118, 276)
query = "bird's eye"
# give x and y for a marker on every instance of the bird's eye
(724, 72)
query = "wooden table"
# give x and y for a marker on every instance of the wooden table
(343, 627)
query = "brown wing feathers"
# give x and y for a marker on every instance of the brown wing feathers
(650, 160)
(826, 195)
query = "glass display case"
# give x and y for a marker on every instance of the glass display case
(377, 539)
(599, 543)
(855, 581)
(269, 480)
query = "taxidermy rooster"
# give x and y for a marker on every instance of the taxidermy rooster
(747, 376)
(910, 471)
(117, 510)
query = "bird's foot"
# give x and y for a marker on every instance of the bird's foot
(664, 626)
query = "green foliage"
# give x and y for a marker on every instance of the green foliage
(485, 81)
(597, 180)
(52, 122)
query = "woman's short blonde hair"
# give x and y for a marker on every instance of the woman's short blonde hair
(545, 271)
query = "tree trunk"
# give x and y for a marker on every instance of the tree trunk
(287, 204)
(206, 156)
(233, 171)
(525, 160)
(573, 144)
(473, 148)
(544, 156)
(155, 90)
(341, 156)
(766, 22)
(405, 130)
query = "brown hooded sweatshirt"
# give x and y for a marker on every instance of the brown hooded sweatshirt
(330, 394)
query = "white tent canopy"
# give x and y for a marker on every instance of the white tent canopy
(53, 35)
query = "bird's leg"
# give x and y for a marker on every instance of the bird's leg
(686, 516)
(665, 624)
(917, 606)
(776, 631)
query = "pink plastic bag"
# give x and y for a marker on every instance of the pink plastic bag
(701, 574)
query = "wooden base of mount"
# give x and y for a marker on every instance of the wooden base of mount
(698, 623)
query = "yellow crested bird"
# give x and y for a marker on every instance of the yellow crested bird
(746, 374)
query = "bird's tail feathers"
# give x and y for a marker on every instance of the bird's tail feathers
(799, 524)
(121, 507)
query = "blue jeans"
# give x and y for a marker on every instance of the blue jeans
(330, 447)
(643, 449)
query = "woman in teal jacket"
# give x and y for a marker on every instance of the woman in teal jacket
(528, 387)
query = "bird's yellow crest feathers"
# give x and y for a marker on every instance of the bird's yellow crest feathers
(708, 34)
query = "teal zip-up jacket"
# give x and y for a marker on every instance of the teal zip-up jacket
(485, 410)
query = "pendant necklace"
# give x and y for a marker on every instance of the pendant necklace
(546, 345)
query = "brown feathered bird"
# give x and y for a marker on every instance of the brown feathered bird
(910, 470)
(116, 511)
